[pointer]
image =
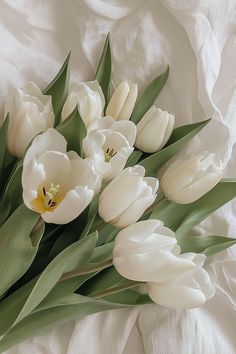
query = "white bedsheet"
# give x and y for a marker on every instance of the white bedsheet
(197, 38)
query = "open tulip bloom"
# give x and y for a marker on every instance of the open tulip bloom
(84, 222)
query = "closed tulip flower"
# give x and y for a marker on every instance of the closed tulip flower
(89, 98)
(109, 143)
(147, 251)
(122, 102)
(30, 113)
(57, 184)
(127, 196)
(188, 290)
(154, 130)
(187, 180)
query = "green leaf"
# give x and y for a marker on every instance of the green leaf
(58, 89)
(63, 293)
(70, 234)
(93, 209)
(69, 259)
(104, 280)
(3, 142)
(102, 253)
(182, 218)
(134, 158)
(179, 138)
(209, 245)
(43, 321)
(5, 207)
(18, 245)
(22, 302)
(148, 97)
(74, 130)
(103, 74)
(13, 191)
(107, 234)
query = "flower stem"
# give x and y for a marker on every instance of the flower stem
(114, 290)
(87, 270)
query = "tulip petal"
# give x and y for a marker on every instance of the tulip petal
(33, 181)
(172, 297)
(153, 265)
(70, 207)
(133, 212)
(127, 129)
(118, 162)
(189, 290)
(117, 100)
(50, 140)
(128, 106)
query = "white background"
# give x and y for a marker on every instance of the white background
(197, 38)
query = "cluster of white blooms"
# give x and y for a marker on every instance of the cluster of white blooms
(59, 184)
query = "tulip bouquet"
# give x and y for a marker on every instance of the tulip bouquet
(84, 225)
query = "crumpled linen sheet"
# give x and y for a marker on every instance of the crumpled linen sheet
(198, 40)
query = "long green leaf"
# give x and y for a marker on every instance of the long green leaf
(74, 130)
(22, 302)
(148, 97)
(69, 259)
(18, 245)
(3, 142)
(182, 218)
(134, 158)
(209, 245)
(179, 138)
(13, 192)
(58, 89)
(103, 74)
(44, 321)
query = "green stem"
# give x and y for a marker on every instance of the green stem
(87, 270)
(114, 290)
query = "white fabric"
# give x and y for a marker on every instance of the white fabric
(197, 39)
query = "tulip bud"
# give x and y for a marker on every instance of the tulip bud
(147, 251)
(89, 98)
(126, 198)
(187, 180)
(188, 290)
(30, 113)
(154, 130)
(122, 102)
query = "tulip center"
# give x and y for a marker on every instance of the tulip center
(109, 153)
(49, 196)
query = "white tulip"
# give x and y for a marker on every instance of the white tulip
(88, 96)
(109, 143)
(147, 251)
(30, 113)
(154, 130)
(56, 183)
(122, 102)
(187, 180)
(188, 290)
(127, 196)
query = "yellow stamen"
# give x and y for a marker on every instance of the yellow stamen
(48, 198)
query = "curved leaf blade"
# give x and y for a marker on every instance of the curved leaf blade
(103, 73)
(182, 218)
(179, 138)
(209, 245)
(18, 242)
(149, 95)
(74, 130)
(58, 89)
